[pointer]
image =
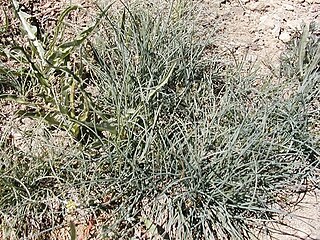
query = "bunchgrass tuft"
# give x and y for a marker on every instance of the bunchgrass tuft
(155, 141)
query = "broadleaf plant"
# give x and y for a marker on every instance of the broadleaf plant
(54, 89)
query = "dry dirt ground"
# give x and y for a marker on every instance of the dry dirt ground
(261, 27)
(257, 28)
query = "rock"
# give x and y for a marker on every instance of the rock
(266, 22)
(294, 24)
(289, 7)
(313, 1)
(276, 31)
(258, 6)
(285, 36)
(219, 2)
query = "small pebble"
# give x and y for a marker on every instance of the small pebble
(289, 7)
(266, 22)
(285, 37)
(294, 24)
(313, 1)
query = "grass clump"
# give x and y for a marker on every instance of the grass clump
(171, 146)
